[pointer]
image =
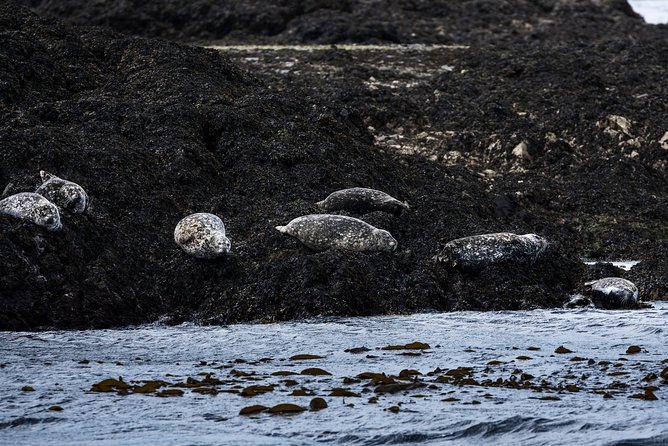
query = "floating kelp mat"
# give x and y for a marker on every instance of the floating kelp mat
(545, 376)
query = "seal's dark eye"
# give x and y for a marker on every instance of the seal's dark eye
(49, 220)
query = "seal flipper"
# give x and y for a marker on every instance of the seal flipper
(46, 176)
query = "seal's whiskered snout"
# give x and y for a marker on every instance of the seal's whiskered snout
(392, 244)
(224, 246)
(53, 223)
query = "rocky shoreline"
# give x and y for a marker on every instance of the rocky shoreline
(523, 131)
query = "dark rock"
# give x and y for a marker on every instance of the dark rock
(327, 21)
(155, 130)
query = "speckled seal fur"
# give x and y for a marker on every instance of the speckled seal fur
(65, 194)
(34, 208)
(324, 231)
(613, 293)
(202, 235)
(480, 251)
(360, 200)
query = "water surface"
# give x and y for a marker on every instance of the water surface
(61, 366)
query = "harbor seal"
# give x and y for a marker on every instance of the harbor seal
(613, 293)
(34, 208)
(65, 194)
(360, 200)
(202, 235)
(480, 251)
(323, 231)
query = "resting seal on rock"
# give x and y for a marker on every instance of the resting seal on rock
(202, 235)
(33, 208)
(65, 194)
(613, 293)
(480, 251)
(360, 200)
(323, 231)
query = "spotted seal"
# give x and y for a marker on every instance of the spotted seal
(324, 231)
(34, 208)
(480, 251)
(65, 194)
(202, 235)
(613, 293)
(360, 200)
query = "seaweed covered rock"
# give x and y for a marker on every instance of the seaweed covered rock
(544, 283)
(328, 21)
(566, 137)
(156, 131)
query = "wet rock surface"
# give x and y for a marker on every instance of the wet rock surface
(155, 131)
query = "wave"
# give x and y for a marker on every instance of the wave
(24, 421)
(659, 440)
(514, 424)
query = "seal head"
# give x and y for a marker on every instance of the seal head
(360, 200)
(480, 251)
(202, 235)
(613, 293)
(34, 208)
(324, 231)
(65, 194)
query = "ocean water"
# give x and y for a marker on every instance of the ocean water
(587, 394)
(653, 11)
